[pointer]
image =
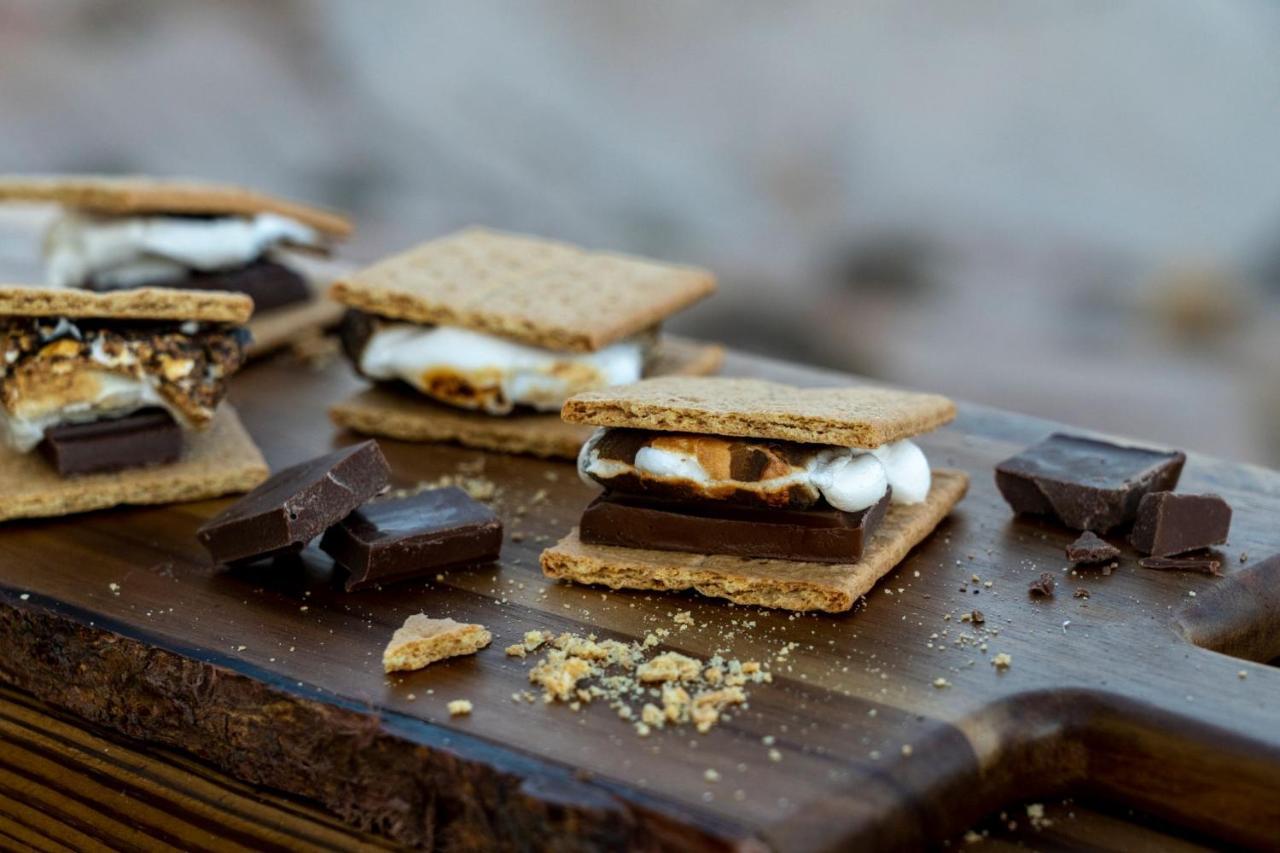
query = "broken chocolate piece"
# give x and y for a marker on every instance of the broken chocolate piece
(144, 438)
(395, 539)
(296, 505)
(1042, 587)
(809, 536)
(1170, 524)
(1206, 564)
(269, 284)
(1086, 484)
(1090, 548)
(1081, 592)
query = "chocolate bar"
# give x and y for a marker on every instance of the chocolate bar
(296, 505)
(1170, 524)
(820, 535)
(270, 284)
(146, 437)
(1084, 483)
(396, 539)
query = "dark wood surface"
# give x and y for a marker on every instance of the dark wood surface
(273, 675)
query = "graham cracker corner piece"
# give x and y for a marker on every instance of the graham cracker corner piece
(219, 460)
(421, 641)
(780, 584)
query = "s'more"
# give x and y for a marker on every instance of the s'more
(116, 398)
(479, 337)
(760, 493)
(123, 232)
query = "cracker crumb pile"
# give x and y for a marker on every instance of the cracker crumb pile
(650, 692)
(423, 640)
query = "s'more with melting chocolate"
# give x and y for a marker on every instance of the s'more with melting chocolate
(765, 494)
(116, 398)
(479, 337)
(124, 232)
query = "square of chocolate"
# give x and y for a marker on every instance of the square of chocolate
(396, 539)
(1170, 523)
(142, 439)
(1085, 483)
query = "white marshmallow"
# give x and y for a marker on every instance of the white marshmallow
(849, 482)
(117, 396)
(521, 374)
(134, 251)
(907, 469)
(670, 464)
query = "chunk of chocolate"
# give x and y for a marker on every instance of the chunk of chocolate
(396, 539)
(1170, 524)
(270, 284)
(1089, 548)
(1084, 483)
(820, 535)
(1042, 587)
(296, 505)
(144, 438)
(1206, 564)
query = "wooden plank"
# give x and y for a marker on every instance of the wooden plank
(273, 676)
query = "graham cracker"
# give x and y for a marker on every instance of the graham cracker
(423, 640)
(217, 461)
(752, 408)
(409, 416)
(139, 194)
(273, 329)
(146, 303)
(540, 292)
(769, 583)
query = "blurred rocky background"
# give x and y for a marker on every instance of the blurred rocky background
(1071, 210)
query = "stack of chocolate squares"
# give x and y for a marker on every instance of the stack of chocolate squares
(752, 491)
(119, 233)
(377, 540)
(116, 398)
(480, 337)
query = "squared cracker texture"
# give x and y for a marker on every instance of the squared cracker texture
(409, 416)
(139, 194)
(217, 461)
(145, 303)
(422, 640)
(537, 291)
(852, 416)
(781, 584)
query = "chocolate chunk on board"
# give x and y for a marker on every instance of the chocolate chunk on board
(1090, 548)
(1042, 587)
(809, 536)
(1084, 483)
(145, 438)
(296, 505)
(396, 539)
(1205, 565)
(1170, 524)
(268, 283)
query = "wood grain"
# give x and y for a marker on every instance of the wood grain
(274, 676)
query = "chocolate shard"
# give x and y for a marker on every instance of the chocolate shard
(823, 535)
(1090, 548)
(145, 438)
(268, 283)
(1084, 483)
(1042, 587)
(1204, 564)
(396, 539)
(296, 505)
(1170, 524)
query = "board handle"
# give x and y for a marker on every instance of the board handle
(1238, 616)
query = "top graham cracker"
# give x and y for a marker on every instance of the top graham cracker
(121, 195)
(147, 303)
(846, 417)
(535, 291)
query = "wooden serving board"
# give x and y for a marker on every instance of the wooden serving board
(273, 675)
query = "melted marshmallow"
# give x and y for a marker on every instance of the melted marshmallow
(116, 396)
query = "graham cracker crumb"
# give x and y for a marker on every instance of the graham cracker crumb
(423, 640)
(1003, 660)
(459, 707)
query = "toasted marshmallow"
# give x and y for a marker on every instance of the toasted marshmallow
(123, 252)
(96, 394)
(848, 479)
(472, 370)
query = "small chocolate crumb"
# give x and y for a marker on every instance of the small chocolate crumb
(1090, 548)
(1206, 564)
(977, 618)
(1042, 587)
(1081, 592)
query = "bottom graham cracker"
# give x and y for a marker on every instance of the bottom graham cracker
(781, 584)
